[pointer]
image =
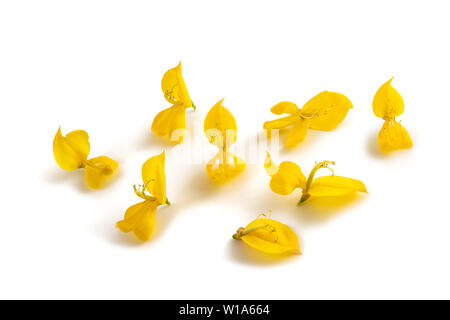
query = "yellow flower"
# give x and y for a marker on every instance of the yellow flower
(323, 112)
(221, 131)
(288, 176)
(388, 104)
(140, 218)
(71, 152)
(269, 236)
(171, 121)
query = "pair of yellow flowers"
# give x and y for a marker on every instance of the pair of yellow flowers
(323, 112)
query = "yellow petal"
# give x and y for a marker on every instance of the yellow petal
(71, 151)
(99, 170)
(272, 237)
(297, 134)
(224, 166)
(270, 166)
(393, 137)
(332, 186)
(288, 178)
(280, 123)
(154, 177)
(388, 103)
(178, 126)
(174, 88)
(285, 178)
(327, 110)
(78, 140)
(220, 126)
(285, 107)
(162, 123)
(171, 121)
(140, 219)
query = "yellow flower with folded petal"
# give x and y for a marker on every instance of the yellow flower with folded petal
(140, 218)
(323, 112)
(221, 131)
(171, 121)
(71, 152)
(269, 236)
(288, 176)
(388, 104)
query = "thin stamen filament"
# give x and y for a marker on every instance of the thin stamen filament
(320, 165)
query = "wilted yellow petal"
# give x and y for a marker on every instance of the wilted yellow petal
(271, 237)
(393, 137)
(224, 166)
(220, 126)
(280, 123)
(285, 107)
(71, 151)
(140, 219)
(174, 88)
(98, 170)
(154, 177)
(326, 110)
(297, 134)
(332, 186)
(388, 103)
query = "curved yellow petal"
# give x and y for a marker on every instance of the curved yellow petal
(162, 123)
(286, 177)
(332, 186)
(171, 121)
(393, 136)
(326, 110)
(220, 126)
(132, 216)
(293, 169)
(174, 88)
(140, 219)
(78, 140)
(283, 183)
(297, 133)
(99, 170)
(272, 237)
(388, 103)
(71, 151)
(154, 177)
(280, 123)
(224, 166)
(285, 107)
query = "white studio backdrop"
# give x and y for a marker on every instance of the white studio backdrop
(97, 66)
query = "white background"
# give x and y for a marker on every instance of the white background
(97, 66)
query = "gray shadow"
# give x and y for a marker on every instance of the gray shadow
(243, 254)
(312, 137)
(149, 139)
(319, 210)
(56, 175)
(372, 146)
